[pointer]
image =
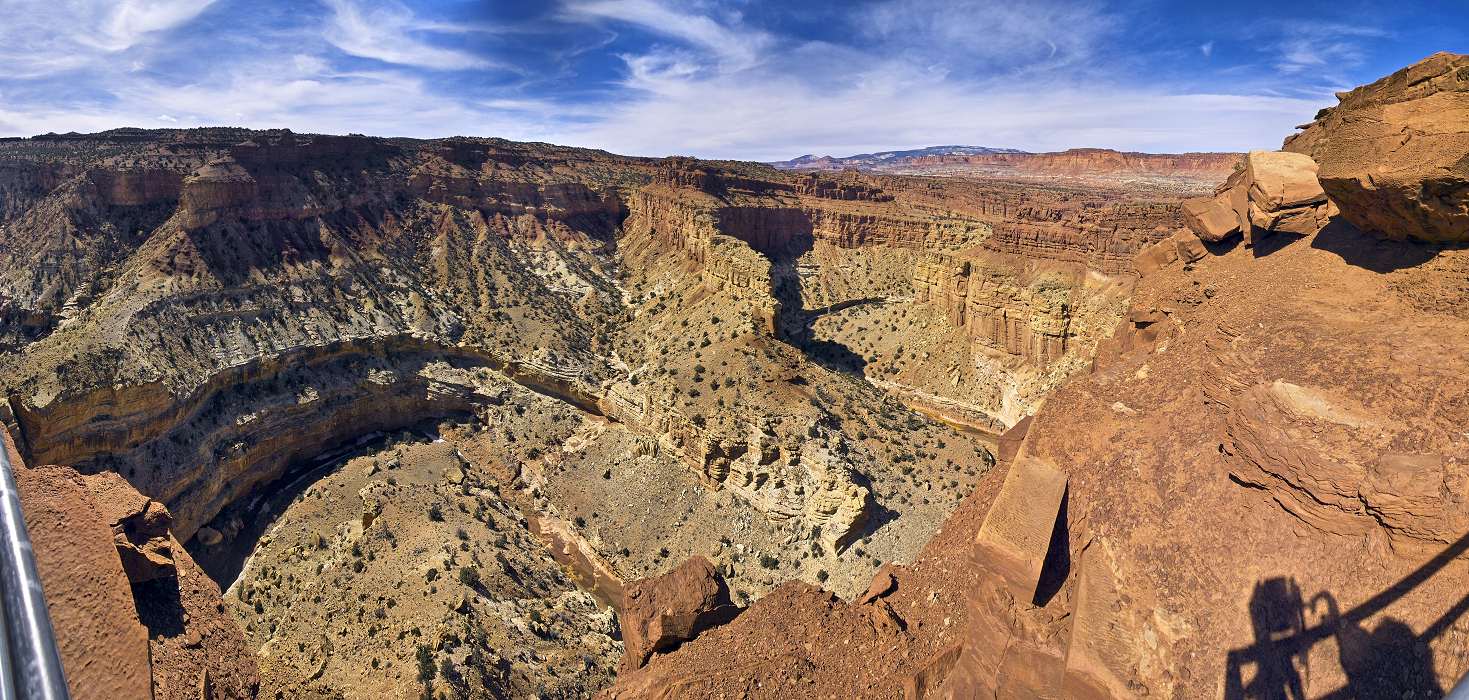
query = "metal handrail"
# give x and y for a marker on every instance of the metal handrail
(30, 664)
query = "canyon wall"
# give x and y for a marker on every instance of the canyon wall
(1027, 314)
(1282, 410)
(239, 307)
(1078, 161)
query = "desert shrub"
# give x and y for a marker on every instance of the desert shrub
(469, 576)
(426, 669)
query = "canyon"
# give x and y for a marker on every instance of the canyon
(469, 417)
(625, 362)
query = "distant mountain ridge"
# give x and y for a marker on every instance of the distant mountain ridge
(1181, 172)
(861, 160)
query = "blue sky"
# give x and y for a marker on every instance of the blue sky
(752, 79)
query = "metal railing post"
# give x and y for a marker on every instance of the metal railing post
(32, 661)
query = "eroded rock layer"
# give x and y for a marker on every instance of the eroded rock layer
(423, 408)
(1394, 155)
(1262, 491)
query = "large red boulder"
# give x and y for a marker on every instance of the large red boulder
(1274, 191)
(660, 613)
(1394, 155)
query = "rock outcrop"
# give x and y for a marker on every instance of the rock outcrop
(141, 528)
(1394, 154)
(134, 615)
(1274, 191)
(1327, 461)
(103, 644)
(659, 614)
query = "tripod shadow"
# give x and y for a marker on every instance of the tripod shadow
(1388, 660)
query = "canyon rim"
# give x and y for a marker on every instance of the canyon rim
(304, 415)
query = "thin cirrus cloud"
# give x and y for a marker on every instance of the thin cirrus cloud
(755, 79)
(730, 47)
(1000, 34)
(1325, 47)
(43, 37)
(389, 32)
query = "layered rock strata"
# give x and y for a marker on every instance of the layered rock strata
(1394, 154)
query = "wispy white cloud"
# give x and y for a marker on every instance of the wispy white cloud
(698, 77)
(390, 32)
(45, 37)
(1325, 48)
(732, 45)
(1016, 35)
(132, 20)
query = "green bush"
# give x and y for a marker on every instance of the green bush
(469, 576)
(426, 669)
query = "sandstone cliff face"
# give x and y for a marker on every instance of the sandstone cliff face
(1039, 293)
(1095, 160)
(1394, 155)
(1020, 307)
(1029, 318)
(134, 616)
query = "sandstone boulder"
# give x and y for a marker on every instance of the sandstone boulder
(1190, 249)
(1211, 217)
(140, 527)
(1182, 245)
(1156, 257)
(1011, 441)
(1284, 194)
(1394, 154)
(658, 614)
(1275, 191)
(1016, 533)
(1282, 180)
(883, 584)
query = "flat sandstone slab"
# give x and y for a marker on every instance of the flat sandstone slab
(1097, 657)
(1016, 532)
